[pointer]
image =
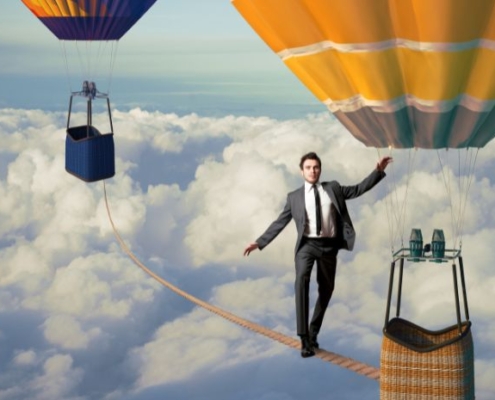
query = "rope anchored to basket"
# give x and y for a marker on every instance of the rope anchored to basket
(345, 362)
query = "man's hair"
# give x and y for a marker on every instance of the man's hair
(309, 156)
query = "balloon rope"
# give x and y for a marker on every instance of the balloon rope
(99, 54)
(471, 163)
(113, 58)
(410, 164)
(66, 62)
(448, 188)
(81, 61)
(389, 207)
(398, 206)
(388, 212)
(90, 62)
(465, 177)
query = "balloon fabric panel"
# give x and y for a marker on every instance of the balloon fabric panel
(284, 24)
(89, 19)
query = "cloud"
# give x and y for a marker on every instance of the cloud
(267, 299)
(228, 206)
(58, 380)
(201, 341)
(27, 357)
(97, 285)
(195, 343)
(97, 321)
(66, 332)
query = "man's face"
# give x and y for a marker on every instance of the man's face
(311, 171)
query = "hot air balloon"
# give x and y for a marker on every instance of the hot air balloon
(398, 74)
(395, 73)
(91, 26)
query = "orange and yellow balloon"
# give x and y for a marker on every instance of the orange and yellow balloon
(396, 73)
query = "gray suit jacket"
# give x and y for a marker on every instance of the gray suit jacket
(295, 209)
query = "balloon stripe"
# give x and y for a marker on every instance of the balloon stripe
(384, 75)
(386, 45)
(457, 128)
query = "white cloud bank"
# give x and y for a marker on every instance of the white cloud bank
(81, 321)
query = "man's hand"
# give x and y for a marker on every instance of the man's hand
(382, 164)
(250, 248)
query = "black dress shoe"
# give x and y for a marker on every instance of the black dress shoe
(306, 349)
(313, 340)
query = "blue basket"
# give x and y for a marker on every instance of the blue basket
(89, 155)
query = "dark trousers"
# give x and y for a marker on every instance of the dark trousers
(324, 253)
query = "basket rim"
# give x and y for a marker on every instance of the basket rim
(98, 134)
(465, 330)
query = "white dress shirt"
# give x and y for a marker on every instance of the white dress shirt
(327, 226)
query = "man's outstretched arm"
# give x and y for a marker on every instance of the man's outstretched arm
(351, 192)
(273, 230)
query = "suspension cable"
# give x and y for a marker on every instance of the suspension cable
(465, 176)
(468, 181)
(113, 59)
(396, 208)
(66, 63)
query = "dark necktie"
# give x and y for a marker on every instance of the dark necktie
(318, 210)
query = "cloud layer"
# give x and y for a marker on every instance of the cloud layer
(80, 321)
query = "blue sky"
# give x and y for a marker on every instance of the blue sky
(182, 55)
(209, 128)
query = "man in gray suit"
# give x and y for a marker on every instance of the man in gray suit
(323, 227)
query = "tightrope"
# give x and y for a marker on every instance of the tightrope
(345, 362)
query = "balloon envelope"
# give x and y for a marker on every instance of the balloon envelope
(89, 19)
(396, 73)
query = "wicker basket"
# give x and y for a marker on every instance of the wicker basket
(417, 364)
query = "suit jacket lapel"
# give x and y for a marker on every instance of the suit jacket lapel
(328, 188)
(301, 197)
(301, 201)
